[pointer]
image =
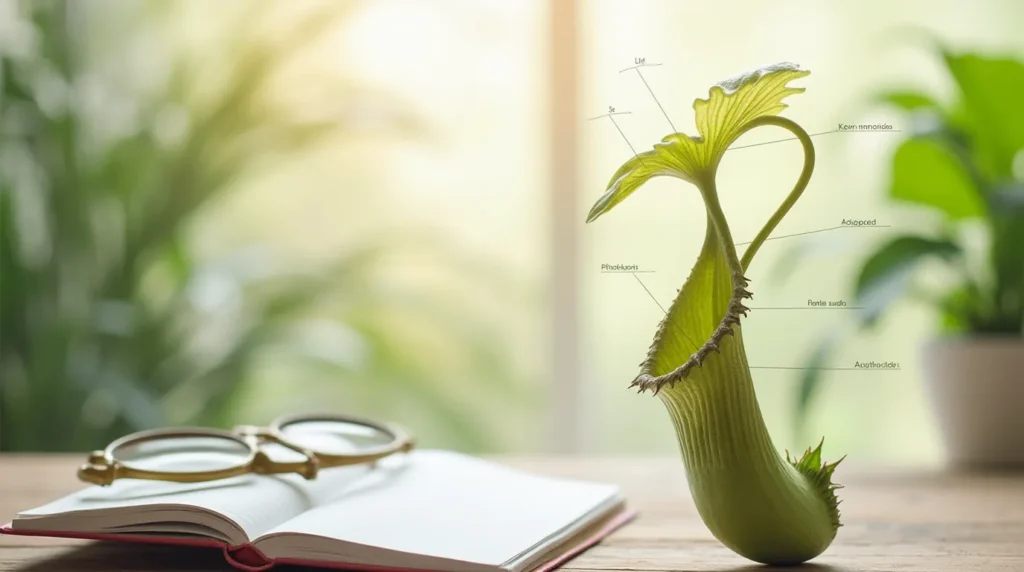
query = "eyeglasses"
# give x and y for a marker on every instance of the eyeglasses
(192, 455)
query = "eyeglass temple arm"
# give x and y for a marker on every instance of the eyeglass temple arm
(103, 471)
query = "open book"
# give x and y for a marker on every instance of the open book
(427, 510)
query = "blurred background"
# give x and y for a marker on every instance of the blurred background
(220, 212)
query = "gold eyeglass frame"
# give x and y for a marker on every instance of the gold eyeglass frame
(103, 468)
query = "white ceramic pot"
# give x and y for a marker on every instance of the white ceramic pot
(976, 386)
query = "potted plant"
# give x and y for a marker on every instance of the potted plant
(964, 162)
(112, 317)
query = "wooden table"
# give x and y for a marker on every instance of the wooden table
(895, 520)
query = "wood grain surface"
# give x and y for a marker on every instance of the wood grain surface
(908, 520)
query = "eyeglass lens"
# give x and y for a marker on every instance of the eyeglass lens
(183, 454)
(334, 437)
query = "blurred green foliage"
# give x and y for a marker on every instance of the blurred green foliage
(109, 320)
(964, 162)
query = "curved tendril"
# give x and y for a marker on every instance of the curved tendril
(737, 266)
(798, 188)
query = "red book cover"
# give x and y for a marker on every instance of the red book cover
(248, 558)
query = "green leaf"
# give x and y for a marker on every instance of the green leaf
(631, 176)
(907, 100)
(926, 173)
(720, 119)
(1008, 200)
(991, 89)
(810, 377)
(1008, 261)
(884, 278)
(885, 275)
(956, 309)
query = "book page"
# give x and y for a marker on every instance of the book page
(240, 508)
(447, 505)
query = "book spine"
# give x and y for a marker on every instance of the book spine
(247, 558)
(244, 557)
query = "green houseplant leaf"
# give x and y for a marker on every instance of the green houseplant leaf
(883, 279)
(907, 100)
(962, 167)
(884, 276)
(767, 508)
(990, 89)
(926, 173)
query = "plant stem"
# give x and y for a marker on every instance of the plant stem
(717, 216)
